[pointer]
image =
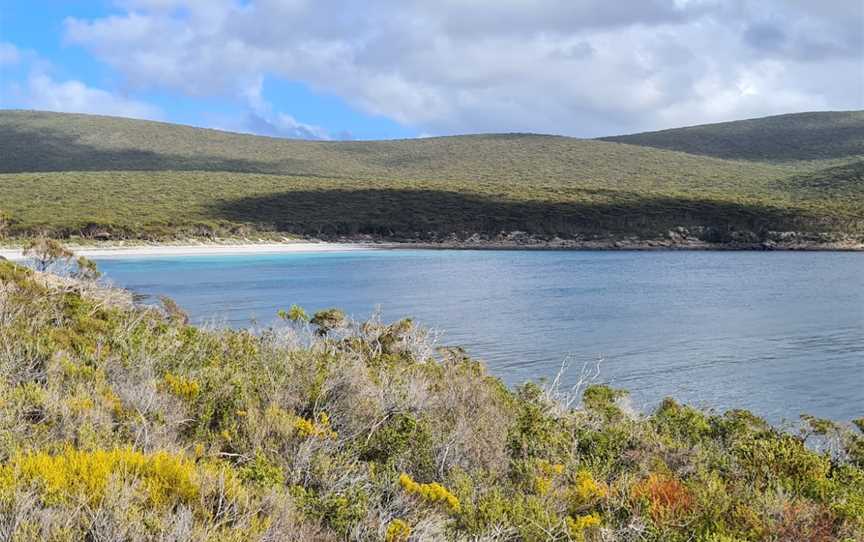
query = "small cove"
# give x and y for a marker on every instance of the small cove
(780, 333)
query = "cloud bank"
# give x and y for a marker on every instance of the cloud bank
(44, 93)
(576, 67)
(40, 90)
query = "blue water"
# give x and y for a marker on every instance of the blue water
(777, 333)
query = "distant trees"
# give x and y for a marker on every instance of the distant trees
(86, 269)
(46, 252)
(295, 314)
(328, 320)
(5, 223)
(174, 312)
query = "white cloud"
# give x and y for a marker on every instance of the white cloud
(579, 67)
(41, 91)
(46, 94)
(261, 119)
(9, 54)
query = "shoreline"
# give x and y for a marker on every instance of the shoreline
(247, 247)
(635, 246)
(202, 249)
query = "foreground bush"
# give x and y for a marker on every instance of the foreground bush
(125, 423)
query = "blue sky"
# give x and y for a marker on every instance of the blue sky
(37, 26)
(392, 68)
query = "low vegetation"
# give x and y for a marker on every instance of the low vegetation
(782, 138)
(120, 422)
(102, 178)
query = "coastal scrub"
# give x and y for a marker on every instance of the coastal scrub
(123, 422)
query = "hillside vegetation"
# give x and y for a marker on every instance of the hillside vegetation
(783, 138)
(125, 423)
(78, 175)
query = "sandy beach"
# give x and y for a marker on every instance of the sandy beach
(133, 251)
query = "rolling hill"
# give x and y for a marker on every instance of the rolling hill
(782, 138)
(81, 175)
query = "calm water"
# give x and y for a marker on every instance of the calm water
(778, 333)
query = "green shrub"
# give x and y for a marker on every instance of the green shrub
(242, 436)
(603, 400)
(328, 320)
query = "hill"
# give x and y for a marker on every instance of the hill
(781, 138)
(80, 175)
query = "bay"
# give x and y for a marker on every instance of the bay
(779, 333)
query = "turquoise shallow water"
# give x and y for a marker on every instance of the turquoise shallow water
(777, 333)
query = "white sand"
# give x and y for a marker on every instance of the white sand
(197, 250)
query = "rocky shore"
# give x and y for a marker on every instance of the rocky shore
(679, 238)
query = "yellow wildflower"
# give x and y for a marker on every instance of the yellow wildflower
(79, 474)
(433, 493)
(317, 428)
(397, 531)
(578, 525)
(587, 490)
(182, 387)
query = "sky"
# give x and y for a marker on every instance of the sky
(362, 69)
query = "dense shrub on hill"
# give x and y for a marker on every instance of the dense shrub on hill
(821, 135)
(110, 178)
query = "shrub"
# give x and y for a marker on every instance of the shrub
(86, 269)
(397, 531)
(5, 223)
(536, 433)
(295, 313)
(328, 320)
(320, 427)
(586, 492)
(682, 422)
(578, 525)
(91, 432)
(261, 471)
(75, 475)
(603, 400)
(668, 500)
(184, 388)
(173, 310)
(785, 461)
(433, 493)
(46, 252)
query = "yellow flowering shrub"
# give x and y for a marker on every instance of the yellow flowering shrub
(75, 474)
(586, 491)
(319, 427)
(397, 531)
(546, 472)
(247, 464)
(80, 404)
(182, 387)
(542, 485)
(578, 525)
(433, 493)
(113, 403)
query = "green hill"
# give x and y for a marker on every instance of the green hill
(782, 138)
(69, 175)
